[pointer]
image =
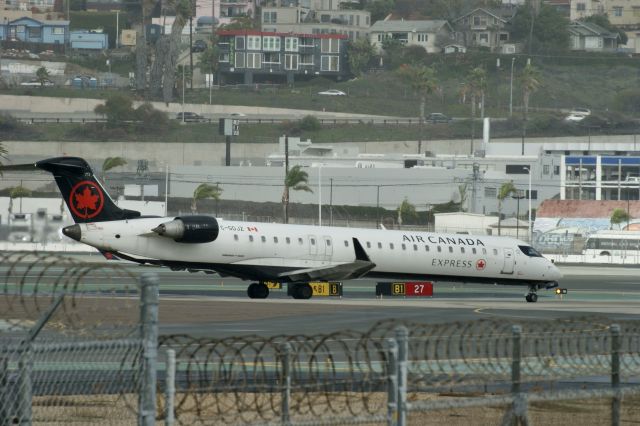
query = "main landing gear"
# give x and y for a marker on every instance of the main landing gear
(532, 297)
(301, 291)
(258, 291)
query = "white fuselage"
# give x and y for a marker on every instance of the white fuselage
(279, 246)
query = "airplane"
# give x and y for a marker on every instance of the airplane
(292, 254)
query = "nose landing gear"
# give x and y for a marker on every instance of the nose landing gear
(532, 297)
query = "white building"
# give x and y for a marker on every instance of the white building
(431, 35)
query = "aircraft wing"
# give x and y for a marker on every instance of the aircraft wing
(360, 266)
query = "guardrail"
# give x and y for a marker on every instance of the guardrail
(323, 121)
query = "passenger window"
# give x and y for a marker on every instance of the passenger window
(404, 246)
(346, 243)
(313, 241)
(484, 250)
(328, 242)
(288, 240)
(439, 249)
(251, 238)
(426, 248)
(495, 252)
(415, 247)
(368, 244)
(379, 245)
(461, 249)
(473, 250)
(235, 237)
(275, 240)
(391, 246)
(300, 241)
(264, 239)
(450, 249)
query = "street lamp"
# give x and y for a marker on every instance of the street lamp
(529, 225)
(511, 89)
(518, 196)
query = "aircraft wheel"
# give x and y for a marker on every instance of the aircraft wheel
(532, 297)
(258, 291)
(302, 291)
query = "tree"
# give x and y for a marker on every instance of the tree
(360, 53)
(117, 108)
(42, 75)
(310, 123)
(422, 80)
(506, 189)
(18, 192)
(295, 180)
(3, 156)
(475, 86)
(407, 212)
(208, 61)
(203, 191)
(530, 83)
(379, 9)
(462, 192)
(110, 163)
(619, 216)
(547, 31)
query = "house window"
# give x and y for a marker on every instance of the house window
(534, 194)
(290, 62)
(270, 17)
(34, 32)
(20, 28)
(239, 42)
(239, 60)
(504, 36)
(581, 7)
(617, 10)
(271, 58)
(254, 60)
(484, 38)
(545, 169)
(423, 37)
(636, 11)
(57, 30)
(330, 45)
(556, 170)
(224, 57)
(253, 42)
(291, 44)
(479, 21)
(271, 44)
(325, 18)
(329, 63)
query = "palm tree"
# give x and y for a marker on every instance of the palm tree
(475, 86)
(110, 163)
(42, 75)
(18, 192)
(203, 191)
(3, 156)
(506, 189)
(422, 80)
(295, 179)
(530, 82)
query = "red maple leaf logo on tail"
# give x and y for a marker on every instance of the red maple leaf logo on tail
(86, 200)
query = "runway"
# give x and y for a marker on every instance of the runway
(199, 304)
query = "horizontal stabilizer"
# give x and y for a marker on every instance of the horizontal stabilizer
(18, 167)
(346, 271)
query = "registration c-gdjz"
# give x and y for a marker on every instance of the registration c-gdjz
(292, 254)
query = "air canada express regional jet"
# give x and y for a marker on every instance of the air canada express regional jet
(292, 254)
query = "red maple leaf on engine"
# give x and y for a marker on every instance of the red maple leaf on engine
(86, 200)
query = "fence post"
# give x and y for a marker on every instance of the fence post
(392, 382)
(517, 413)
(285, 397)
(516, 331)
(25, 366)
(170, 387)
(149, 337)
(402, 337)
(615, 374)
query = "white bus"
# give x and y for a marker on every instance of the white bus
(613, 243)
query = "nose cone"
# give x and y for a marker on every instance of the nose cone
(72, 231)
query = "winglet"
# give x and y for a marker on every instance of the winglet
(360, 253)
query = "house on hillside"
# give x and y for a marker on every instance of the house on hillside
(591, 37)
(432, 35)
(483, 28)
(31, 30)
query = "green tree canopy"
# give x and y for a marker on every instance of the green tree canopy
(42, 75)
(530, 81)
(379, 9)
(19, 192)
(117, 108)
(407, 212)
(619, 216)
(208, 61)
(506, 189)
(297, 180)
(550, 29)
(360, 53)
(203, 191)
(112, 162)
(422, 80)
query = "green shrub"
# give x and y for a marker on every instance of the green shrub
(310, 123)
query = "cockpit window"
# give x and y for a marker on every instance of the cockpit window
(529, 251)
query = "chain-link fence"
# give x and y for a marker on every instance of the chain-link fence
(75, 346)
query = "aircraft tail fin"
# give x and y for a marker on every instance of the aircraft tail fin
(82, 192)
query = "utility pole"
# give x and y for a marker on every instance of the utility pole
(511, 89)
(191, 50)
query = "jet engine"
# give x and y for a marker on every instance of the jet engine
(190, 229)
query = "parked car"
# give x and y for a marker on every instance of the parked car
(580, 111)
(237, 114)
(575, 118)
(190, 117)
(332, 92)
(36, 83)
(438, 117)
(199, 46)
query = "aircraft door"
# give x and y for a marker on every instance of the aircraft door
(313, 245)
(507, 268)
(328, 247)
